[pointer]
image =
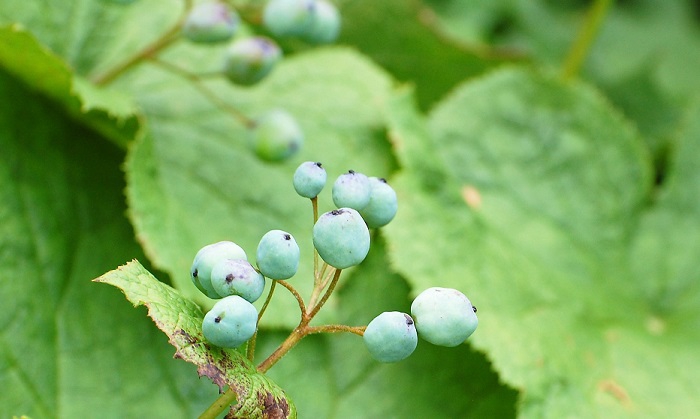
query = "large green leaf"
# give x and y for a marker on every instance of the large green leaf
(193, 180)
(537, 204)
(107, 111)
(70, 348)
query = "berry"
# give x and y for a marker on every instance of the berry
(278, 255)
(382, 204)
(210, 23)
(351, 190)
(444, 316)
(237, 277)
(309, 179)
(230, 323)
(325, 24)
(289, 17)
(391, 336)
(204, 262)
(341, 238)
(276, 136)
(249, 60)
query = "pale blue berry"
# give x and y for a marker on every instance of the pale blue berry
(230, 323)
(444, 316)
(382, 205)
(341, 238)
(325, 24)
(237, 277)
(352, 190)
(276, 136)
(210, 22)
(249, 60)
(391, 337)
(288, 17)
(204, 262)
(278, 255)
(309, 179)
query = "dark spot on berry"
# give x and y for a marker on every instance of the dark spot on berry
(352, 172)
(217, 320)
(474, 308)
(409, 320)
(229, 278)
(195, 273)
(381, 179)
(337, 212)
(287, 237)
(318, 163)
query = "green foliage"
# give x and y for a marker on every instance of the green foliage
(562, 202)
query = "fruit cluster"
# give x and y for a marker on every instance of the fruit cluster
(341, 238)
(249, 57)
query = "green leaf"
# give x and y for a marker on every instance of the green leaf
(181, 320)
(193, 180)
(346, 382)
(542, 215)
(401, 36)
(109, 112)
(68, 347)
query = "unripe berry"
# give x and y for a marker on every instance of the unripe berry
(444, 316)
(352, 190)
(288, 17)
(207, 258)
(382, 204)
(210, 23)
(341, 238)
(231, 322)
(276, 136)
(278, 255)
(309, 179)
(237, 277)
(249, 60)
(325, 24)
(391, 337)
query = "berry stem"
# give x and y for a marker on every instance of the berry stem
(267, 300)
(314, 207)
(336, 328)
(585, 38)
(327, 294)
(149, 51)
(196, 81)
(225, 400)
(296, 295)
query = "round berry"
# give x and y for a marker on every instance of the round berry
(352, 190)
(230, 323)
(210, 23)
(288, 17)
(341, 238)
(249, 60)
(382, 204)
(204, 262)
(325, 24)
(309, 179)
(444, 316)
(278, 255)
(237, 277)
(276, 136)
(391, 336)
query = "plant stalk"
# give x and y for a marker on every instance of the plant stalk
(585, 38)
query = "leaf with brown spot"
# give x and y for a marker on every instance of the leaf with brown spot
(181, 320)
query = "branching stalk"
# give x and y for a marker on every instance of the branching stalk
(585, 38)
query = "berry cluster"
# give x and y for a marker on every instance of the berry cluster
(249, 57)
(341, 238)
